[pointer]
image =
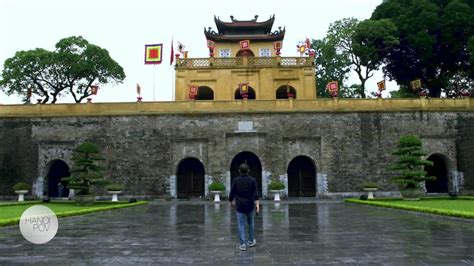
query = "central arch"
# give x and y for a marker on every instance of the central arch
(190, 178)
(301, 177)
(282, 92)
(58, 169)
(438, 169)
(248, 52)
(254, 164)
(251, 94)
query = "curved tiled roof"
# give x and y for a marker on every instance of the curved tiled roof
(265, 26)
(238, 30)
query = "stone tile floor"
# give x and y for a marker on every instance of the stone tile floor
(297, 232)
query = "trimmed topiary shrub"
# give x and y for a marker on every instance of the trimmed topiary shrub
(21, 186)
(114, 187)
(86, 170)
(410, 165)
(216, 186)
(276, 185)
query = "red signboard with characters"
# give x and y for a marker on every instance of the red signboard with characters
(245, 45)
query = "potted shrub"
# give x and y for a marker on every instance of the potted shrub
(370, 187)
(410, 167)
(21, 189)
(216, 188)
(114, 189)
(276, 186)
(85, 172)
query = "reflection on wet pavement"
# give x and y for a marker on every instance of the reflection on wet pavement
(288, 233)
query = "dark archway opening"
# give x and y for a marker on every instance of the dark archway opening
(254, 164)
(440, 185)
(240, 53)
(57, 170)
(282, 92)
(251, 94)
(205, 93)
(190, 178)
(301, 177)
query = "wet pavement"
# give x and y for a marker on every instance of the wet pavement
(203, 233)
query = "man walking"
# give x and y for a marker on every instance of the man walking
(244, 196)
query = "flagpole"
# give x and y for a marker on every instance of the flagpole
(154, 65)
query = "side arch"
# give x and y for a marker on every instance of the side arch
(55, 187)
(190, 178)
(440, 169)
(205, 93)
(301, 177)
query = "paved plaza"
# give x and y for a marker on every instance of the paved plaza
(204, 233)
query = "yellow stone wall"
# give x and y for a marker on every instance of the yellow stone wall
(239, 106)
(264, 80)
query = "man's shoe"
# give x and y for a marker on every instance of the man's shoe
(242, 247)
(252, 243)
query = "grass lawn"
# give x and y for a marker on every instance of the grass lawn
(462, 207)
(10, 213)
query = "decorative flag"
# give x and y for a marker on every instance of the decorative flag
(139, 89)
(415, 84)
(381, 85)
(181, 47)
(308, 43)
(153, 53)
(245, 44)
(94, 89)
(278, 45)
(171, 56)
(333, 86)
(244, 87)
(210, 44)
(193, 89)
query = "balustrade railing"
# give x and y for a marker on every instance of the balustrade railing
(227, 62)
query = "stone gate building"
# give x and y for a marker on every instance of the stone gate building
(248, 104)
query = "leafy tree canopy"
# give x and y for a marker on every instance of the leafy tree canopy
(330, 66)
(346, 48)
(72, 68)
(435, 42)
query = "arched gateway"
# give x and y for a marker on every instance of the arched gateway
(190, 178)
(301, 177)
(57, 170)
(255, 167)
(439, 169)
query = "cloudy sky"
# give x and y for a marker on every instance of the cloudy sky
(123, 27)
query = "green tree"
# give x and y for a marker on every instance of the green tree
(330, 66)
(409, 164)
(72, 68)
(350, 39)
(86, 170)
(434, 40)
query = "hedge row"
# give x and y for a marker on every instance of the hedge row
(15, 221)
(387, 204)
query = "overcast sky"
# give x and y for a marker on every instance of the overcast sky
(123, 27)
